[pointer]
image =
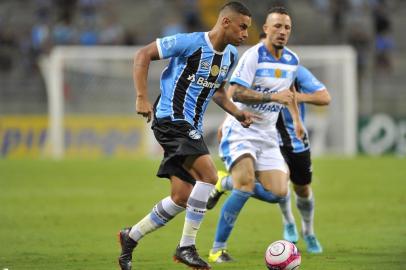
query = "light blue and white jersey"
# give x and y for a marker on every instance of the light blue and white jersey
(260, 71)
(193, 75)
(307, 83)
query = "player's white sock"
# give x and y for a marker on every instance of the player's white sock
(161, 214)
(227, 183)
(306, 209)
(286, 208)
(195, 211)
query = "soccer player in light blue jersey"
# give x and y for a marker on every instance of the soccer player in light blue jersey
(296, 153)
(260, 83)
(200, 63)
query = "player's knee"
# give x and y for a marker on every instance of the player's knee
(302, 190)
(209, 177)
(180, 199)
(247, 184)
(282, 191)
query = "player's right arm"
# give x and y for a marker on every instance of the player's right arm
(142, 59)
(244, 117)
(243, 78)
(162, 48)
(245, 95)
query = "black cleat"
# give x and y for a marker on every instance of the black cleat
(214, 198)
(188, 255)
(127, 247)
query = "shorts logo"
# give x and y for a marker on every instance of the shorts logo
(194, 134)
(214, 70)
(205, 65)
(169, 42)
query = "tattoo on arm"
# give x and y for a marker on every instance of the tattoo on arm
(267, 97)
(248, 96)
(238, 93)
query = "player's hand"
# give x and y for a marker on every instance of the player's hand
(144, 107)
(299, 130)
(284, 97)
(246, 118)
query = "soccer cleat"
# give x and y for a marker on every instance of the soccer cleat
(127, 247)
(312, 244)
(220, 256)
(217, 191)
(290, 233)
(188, 255)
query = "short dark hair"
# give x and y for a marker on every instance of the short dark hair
(279, 10)
(236, 7)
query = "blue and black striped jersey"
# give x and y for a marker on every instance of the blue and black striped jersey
(194, 73)
(305, 82)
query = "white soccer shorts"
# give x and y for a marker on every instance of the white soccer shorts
(240, 141)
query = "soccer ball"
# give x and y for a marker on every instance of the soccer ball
(282, 255)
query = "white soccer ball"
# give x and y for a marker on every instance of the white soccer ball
(282, 255)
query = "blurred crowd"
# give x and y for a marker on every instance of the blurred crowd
(364, 24)
(77, 22)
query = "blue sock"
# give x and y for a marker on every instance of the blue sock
(229, 213)
(262, 194)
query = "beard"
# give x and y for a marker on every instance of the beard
(278, 47)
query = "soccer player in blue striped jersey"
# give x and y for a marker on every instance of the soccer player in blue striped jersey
(296, 153)
(199, 65)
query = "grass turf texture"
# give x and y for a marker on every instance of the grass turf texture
(65, 215)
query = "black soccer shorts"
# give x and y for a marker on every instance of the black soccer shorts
(300, 166)
(179, 139)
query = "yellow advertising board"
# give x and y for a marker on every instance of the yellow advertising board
(84, 136)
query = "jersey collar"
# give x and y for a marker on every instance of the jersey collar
(206, 37)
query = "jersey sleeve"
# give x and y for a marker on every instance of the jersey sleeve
(233, 61)
(175, 45)
(244, 72)
(308, 83)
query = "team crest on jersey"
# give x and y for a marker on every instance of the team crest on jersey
(278, 73)
(214, 70)
(205, 65)
(287, 57)
(168, 42)
(224, 70)
(194, 134)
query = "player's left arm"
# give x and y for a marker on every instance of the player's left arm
(320, 98)
(222, 100)
(294, 111)
(312, 90)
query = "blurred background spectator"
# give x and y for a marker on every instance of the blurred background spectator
(30, 29)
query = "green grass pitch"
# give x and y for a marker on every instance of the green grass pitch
(65, 215)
